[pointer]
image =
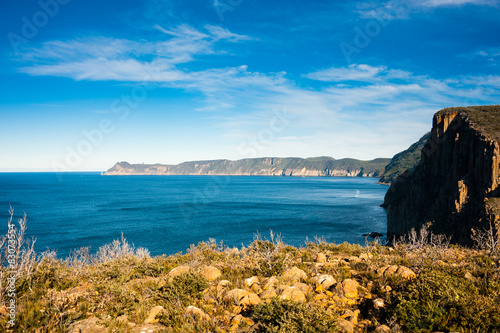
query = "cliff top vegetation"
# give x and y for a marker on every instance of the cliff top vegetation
(420, 284)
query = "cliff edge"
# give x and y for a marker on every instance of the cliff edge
(454, 188)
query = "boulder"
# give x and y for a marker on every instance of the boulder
(345, 326)
(178, 271)
(153, 313)
(350, 288)
(241, 297)
(197, 314)
(268, 294)
(321, 258)
(294, 274)
(325, 281)
(394, 270)
(293, 294)
(90, 325)
(210, 273)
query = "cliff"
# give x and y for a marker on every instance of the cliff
(455, 185)
(270, 166)
(407, 159)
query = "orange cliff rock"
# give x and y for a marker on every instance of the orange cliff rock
(455, 187)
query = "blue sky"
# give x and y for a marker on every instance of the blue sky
(89, 83)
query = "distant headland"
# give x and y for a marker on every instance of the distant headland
(267, 166)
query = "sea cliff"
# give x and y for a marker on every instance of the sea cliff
(454, 188)
(269, 166)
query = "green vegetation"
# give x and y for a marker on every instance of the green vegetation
(486, 118)
(317, 166)
(420, 284)
(404, 160)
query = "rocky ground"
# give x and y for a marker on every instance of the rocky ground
(267, 287)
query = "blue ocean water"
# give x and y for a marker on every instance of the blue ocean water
(168, 213)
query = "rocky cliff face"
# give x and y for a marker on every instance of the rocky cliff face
(271, 166)
(455, 185)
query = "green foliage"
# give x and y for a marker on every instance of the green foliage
(444, 299)
(183, 288)
(283, 316)
(404, 160)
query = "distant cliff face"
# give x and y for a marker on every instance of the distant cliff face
(407, 159)
(319, 166)
(455, 185)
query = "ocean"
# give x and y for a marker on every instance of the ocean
(166, 214)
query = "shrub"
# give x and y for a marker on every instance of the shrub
(443, 300)
(284, 316)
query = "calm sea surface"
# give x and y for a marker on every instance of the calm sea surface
(168, 213)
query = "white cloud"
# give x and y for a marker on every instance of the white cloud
(399, 9)
(438, 3)
(359, 106)
(354, 72)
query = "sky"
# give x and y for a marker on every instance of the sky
(86, 84)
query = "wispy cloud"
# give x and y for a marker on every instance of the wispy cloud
(439, 3)
(369, 104)
(402, 9)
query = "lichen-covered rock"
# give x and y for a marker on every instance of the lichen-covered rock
(321, 258)
(345, 326)
(210, 273)
(197, 314)
(268, 294)
(241, 297)
(153, 313)
(293, 294)
(395, 270)
(178, 271)
(350, 288)
(90, 325)
(325, 281)
(294, 274)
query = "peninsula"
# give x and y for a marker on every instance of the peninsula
(267, 166)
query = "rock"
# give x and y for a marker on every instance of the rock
(382, 329)
(153, 313)
(365, 256)
(239, 320)
(293, 294)
(253, 284)
(352, 316)
(321, 258)
(325, 281)
(268, 294)
(350, 288)
(148, 328)
(251, 281)
(178, 271)
(373, 234)
(302, 287)
(243, 298)
(378, 303)
(458, 170)
(469, 276)
(294, 274)
(222, 288)
(271, 283)
(394, 270)
(197, 314)
(345, 326)
(210, 273)
(90, 325)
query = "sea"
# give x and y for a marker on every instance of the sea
(166, 214)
